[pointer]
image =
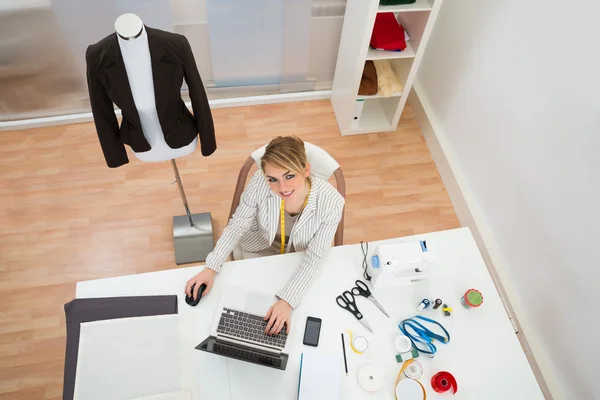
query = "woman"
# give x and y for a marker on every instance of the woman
(312, 209)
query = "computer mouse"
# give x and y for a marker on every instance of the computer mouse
(193, 302)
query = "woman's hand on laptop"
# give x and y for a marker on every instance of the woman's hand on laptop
(207, 276)
(278, 315)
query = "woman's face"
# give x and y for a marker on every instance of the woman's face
(288, 185)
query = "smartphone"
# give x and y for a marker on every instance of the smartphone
(312, 331)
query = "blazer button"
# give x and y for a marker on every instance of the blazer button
(167, 135)
(179, 121)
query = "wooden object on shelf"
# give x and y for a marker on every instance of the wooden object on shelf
(378, 113)
(369, 84)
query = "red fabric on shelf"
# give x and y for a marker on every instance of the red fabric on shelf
(387, 33)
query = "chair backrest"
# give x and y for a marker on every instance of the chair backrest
(322, 165)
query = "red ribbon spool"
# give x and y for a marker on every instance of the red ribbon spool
(443, 381)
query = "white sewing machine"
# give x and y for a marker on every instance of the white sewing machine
(401, 264)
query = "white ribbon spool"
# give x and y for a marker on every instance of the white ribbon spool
(371, 378)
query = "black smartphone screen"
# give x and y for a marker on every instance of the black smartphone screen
(312, 331)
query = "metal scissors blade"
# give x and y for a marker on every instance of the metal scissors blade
(379, 306)
(365, 324)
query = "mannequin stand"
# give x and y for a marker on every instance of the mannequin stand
(192, 233)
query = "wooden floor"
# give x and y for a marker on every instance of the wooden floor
(66, 217)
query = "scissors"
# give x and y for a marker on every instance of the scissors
(361, 289)
(347, 301)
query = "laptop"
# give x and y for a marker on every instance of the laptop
(238, 330)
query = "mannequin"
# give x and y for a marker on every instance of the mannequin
(133, 42)
(141, 69)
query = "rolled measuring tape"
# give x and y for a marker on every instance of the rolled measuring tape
(371, 378)
(358, 344)
(443, 381)
(414, 370)
(471, 299)
(410, 388)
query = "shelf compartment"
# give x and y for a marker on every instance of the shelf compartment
(373, 54)
(377, 115)
(419, 5)
(401, 68)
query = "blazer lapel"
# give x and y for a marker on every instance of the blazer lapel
(162, 73)
(117, 79)
(274, 204)
(307, 214)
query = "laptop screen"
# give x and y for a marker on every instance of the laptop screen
(243, 353)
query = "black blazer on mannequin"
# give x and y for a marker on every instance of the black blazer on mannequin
(172, 60)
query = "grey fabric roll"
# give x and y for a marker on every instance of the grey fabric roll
(98, 309)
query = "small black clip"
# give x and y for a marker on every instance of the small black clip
(447, 310)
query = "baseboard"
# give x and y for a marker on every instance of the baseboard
(470, 216)
(217, 103)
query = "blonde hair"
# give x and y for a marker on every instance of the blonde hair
(285, 152)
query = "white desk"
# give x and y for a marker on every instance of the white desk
(484, 354)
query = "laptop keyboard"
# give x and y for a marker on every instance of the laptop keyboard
(249, 327)
(246, 355)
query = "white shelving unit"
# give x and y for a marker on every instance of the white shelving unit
(365, 114)
(373, 54)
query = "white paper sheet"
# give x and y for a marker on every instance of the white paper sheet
(130, 358)
(319, 377)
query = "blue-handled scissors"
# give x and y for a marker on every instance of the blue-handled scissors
(361, 289)
(347, 301)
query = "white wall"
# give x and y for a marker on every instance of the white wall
(514, 93)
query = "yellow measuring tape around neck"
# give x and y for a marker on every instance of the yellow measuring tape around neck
(282, 220)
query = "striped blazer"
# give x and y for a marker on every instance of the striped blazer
(254, 226)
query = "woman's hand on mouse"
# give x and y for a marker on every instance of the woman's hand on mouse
(207, 277)
(278, 315)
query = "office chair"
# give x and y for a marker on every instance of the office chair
(322, 166)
